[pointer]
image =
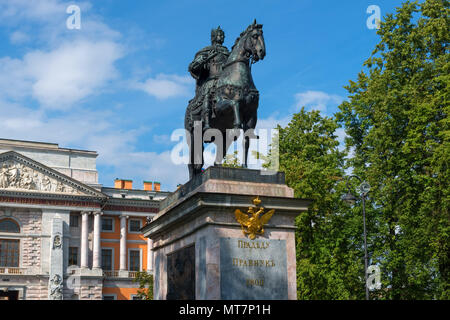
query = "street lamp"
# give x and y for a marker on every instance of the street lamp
(364, 188)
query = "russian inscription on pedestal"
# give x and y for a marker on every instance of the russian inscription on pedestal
(253, 269)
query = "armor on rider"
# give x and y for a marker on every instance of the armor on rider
(205, 68)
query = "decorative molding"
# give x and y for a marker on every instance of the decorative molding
(20, 173)
(112, 207)
(56, 287)
(57, 242)
(26, 182)
(52, 202)
(16, 176)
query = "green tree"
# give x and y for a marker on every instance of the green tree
(330, 261)
(397, 122)
(232, 160)
(145, 280)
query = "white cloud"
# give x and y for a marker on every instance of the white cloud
(69, 67)
(19, 37)
(31, 10)
(162, 139)
(43, 22)
(71, 72)
(165, 86)
(76, 128)
(61, 77)
(273, 121)
(94, 131)
(341, 135)
(316, 100)
(14, 79)
(152, 166)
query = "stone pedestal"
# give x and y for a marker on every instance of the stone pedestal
(200, 250)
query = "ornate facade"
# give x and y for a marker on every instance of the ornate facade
(63, 235)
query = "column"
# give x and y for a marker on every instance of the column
(84, 239)
(123, 243)
(96, 263)
(149, 255)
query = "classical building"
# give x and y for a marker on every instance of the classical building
(62, 234)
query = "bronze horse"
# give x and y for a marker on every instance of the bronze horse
(234, 101)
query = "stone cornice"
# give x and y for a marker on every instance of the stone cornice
(21, 144)
(50, 199)
(202, 202)
(51, 202)
(133, 202)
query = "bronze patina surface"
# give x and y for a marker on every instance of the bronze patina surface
(226, 97)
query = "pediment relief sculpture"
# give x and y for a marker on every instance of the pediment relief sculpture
(17, 176)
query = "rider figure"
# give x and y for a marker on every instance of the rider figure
(205, 68)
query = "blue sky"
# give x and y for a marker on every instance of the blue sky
(120, 85)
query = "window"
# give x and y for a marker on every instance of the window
(109, 297)
(9, 253)
(74, 221)
(134, 225)
(135, 260)
(8, 225)
(107, 259)
(107, 224)
(73, 256)
(135, 297)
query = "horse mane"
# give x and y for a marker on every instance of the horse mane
(238, 39)
(243, 33)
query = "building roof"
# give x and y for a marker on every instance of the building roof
(40, 145)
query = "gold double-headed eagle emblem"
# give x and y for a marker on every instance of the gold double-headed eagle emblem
(251, 223)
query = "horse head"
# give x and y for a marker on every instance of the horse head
(251, 42)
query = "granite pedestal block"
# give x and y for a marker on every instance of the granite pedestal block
(199, 248)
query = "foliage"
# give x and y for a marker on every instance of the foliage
(232, 160)
(145, 280)
(330, 261)
(397, 122)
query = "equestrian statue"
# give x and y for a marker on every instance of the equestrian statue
(226, 98)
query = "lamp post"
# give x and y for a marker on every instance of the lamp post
(364, 188)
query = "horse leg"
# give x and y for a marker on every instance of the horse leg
(249, 133)
(198, 167)
(206, 113)
(246, 142)
(191, 166)
(219, 142)
(198, 149)
(224, 103)
(237, 114)
(195, 144)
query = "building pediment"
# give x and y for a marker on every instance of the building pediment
(22, 174)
